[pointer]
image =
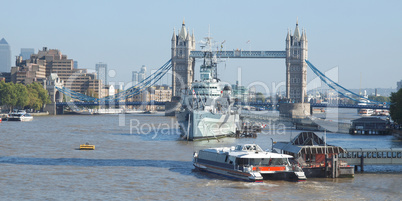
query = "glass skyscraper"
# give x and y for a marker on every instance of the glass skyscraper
(101, 70)
(142, 74)
(5, 56)
(134, 77)
(26, 53)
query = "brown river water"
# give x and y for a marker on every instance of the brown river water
(139, 157)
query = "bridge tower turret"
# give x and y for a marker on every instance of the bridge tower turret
(296, 66)
(182, 64)
(55, 95)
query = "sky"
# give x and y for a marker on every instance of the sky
(361, 39)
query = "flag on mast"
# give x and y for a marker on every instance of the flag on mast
(194, 94)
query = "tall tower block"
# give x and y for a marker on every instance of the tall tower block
(182, 64)
(296, 66)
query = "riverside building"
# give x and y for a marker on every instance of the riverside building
(47, 61)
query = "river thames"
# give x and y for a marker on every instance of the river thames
(139, 157)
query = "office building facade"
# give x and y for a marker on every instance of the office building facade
(5, 56)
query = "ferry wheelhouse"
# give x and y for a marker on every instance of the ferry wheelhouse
(247, 162)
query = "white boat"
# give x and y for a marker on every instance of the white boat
(19, 115)
(108, 111)
(247, 162)
(366, 112)
(206, 109)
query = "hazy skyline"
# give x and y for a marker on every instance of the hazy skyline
(359, 37)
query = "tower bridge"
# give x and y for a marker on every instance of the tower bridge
(182, 64)
(295, 54)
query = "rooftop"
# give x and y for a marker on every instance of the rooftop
(308, 143)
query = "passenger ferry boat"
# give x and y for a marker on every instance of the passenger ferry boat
(366, 112)
(19, 115)
(247, 162)
(206, 109)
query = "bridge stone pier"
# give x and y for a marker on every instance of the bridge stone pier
(296, 52)
(55, 95)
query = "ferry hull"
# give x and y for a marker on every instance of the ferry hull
(20, 119)
(288, 176)
(250, 177)
(247, 162)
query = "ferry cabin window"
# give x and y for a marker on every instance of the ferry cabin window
(278, 161)
(399, 155)
(259, 162)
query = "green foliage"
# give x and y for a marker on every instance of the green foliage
(381, 99)
(42, 93)
(8, 95)
(396, 107)
(34, 101)
(22, 95)
(260, 97)
(18, 95)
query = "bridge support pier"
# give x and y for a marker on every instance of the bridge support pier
(51, 108)
(361, 165)
(295, 110)
(171, 107)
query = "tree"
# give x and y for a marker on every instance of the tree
(381, 99)
(396, 106)
(18, 95)
(42, 93)
(34, 101)
(22, 95)
(260, 97)
(8, 95)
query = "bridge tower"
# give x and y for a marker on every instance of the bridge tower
(55, 95)
(296, 66)
(182, 64)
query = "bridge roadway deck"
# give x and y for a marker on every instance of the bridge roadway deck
(256, 104)
(350, 106)
(108, 103)
(392, 156)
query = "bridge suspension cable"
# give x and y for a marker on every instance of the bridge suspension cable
(134, 90)
(328, 82)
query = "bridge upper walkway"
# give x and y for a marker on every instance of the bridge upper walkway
(243, 54)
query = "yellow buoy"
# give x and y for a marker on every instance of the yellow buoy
(87, 146)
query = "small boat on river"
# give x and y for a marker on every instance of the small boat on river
(248, 162)
(19, 115)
